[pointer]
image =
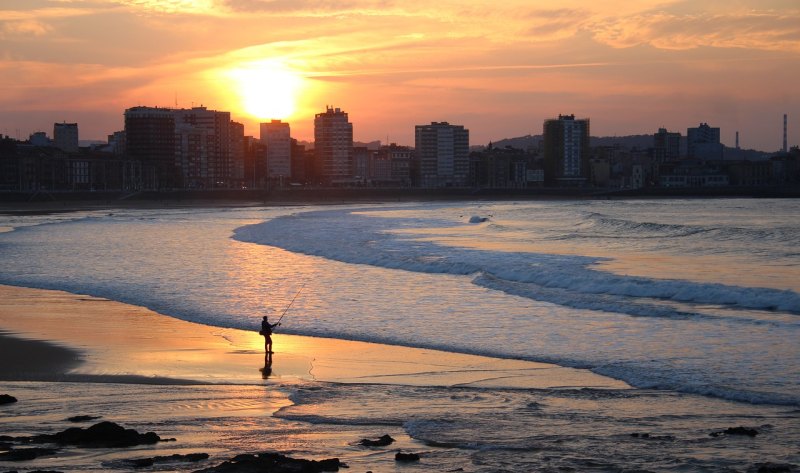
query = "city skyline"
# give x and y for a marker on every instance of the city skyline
(499, 70)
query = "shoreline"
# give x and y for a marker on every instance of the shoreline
(22, 204)
(207, 386)
(26, 203)
(457, 412)
(118, 341)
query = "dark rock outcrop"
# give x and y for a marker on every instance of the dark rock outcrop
(175, 458)
(273, 463)
(746, 431)
(383, 441)
(7, 399)
(102, 435)
(406, 457)
(25, 454)
(82, 418)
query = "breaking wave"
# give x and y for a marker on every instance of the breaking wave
(565, 280)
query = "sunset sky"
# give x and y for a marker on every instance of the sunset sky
(498, 68)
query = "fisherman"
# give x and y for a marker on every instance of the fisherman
(266, 331)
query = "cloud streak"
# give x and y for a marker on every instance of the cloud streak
(753, 29)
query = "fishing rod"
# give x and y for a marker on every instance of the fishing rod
(290, 304)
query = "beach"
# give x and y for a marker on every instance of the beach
(550, 336)
(67, 355)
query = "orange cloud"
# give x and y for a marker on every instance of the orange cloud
(392, 63)
(751, 29)
(25, 27)
(173, 6)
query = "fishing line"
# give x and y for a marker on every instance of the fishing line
(290, 303)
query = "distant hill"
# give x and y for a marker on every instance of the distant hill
(522, 142)
(734, 154)
(630, 142)
(373, 145)
(532, 141)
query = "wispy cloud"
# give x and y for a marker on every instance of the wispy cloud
(43, 13)
(751, 29)
(24, 27)
(205, 7)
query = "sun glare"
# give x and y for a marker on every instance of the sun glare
(267, 89)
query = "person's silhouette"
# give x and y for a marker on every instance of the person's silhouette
(266, 331)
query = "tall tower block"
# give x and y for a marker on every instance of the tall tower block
(785, 147)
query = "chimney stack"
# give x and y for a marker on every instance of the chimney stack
(785, 147)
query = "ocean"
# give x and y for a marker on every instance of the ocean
(694, 302)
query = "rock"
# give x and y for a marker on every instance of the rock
(175, 458)
(381, 442)
(140, 462)
(7, 399)
(406, 457)
(102, 435)
(736, 431)
(273, 463)
(25, 454)
(189, 457)
(82, 418)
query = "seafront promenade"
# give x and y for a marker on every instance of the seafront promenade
(323, 195)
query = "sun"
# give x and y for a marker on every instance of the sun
(267, 89)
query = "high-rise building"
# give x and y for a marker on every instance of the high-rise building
(299, 164)
(666, 146)
(442, 154)
(150, 140)
(566, 150)
(182, 148)
(237, 154)
(255, 163)
(65, 137)
(276, 135)
(703, 143)
(203, 151)
(333, 145)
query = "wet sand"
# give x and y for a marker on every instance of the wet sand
(66, 355)
(34, 359)
(115, 341)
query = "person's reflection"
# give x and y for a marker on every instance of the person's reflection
(266, 371)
